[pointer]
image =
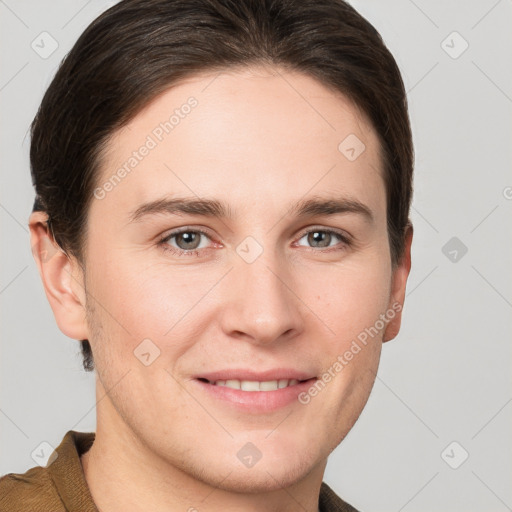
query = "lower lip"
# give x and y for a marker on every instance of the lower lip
(256, 401)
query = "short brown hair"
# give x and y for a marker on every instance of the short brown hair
(139, 48)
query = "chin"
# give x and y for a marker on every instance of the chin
(262, 480)
(266, 475)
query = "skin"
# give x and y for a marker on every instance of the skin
(253, 142)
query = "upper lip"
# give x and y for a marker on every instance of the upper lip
(251, 375)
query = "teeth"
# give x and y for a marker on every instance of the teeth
(283, 383)
(254, 385)
(233, 384)
(269, 385)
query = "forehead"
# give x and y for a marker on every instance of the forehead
(245, 134)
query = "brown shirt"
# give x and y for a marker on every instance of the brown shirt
(61, 487)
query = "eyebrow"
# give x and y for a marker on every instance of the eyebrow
(314, 206)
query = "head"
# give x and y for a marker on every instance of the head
(285, 125)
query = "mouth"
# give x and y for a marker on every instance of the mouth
(254, 385)
(251, 392)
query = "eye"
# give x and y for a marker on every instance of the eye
(321, 238)
(188, 242)
(185, 242)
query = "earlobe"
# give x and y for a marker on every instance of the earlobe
(398, 286)
(62, 279)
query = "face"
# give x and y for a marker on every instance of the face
(239, 334)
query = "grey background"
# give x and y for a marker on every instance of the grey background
(445, 378)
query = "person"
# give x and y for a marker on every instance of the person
(222, 220)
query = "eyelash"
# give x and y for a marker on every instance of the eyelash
(163, 242)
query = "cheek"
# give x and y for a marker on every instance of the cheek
(127, 302)
(352, 299)
(352, 305)
(156, 302)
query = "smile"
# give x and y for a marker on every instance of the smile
(254, 392)
(254, 385)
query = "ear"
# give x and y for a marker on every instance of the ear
(62, 277)
(398, 283)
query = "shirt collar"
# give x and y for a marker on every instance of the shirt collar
(67, 473)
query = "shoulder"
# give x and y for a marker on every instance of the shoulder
(331, 502)
(32, 490)
(57, 487)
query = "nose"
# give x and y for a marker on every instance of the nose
(260, 304)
